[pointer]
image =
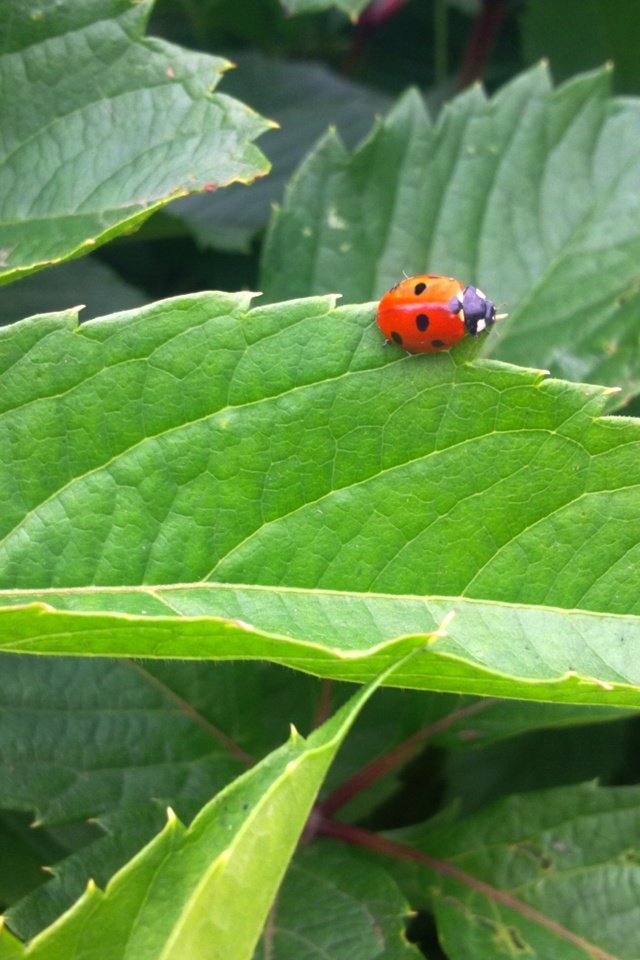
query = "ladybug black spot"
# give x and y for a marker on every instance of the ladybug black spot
(396, 338)
(438, 343)
(419, 288)
(422, 321)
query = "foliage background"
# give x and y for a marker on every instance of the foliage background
(97, 749)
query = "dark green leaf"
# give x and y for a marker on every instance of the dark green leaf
(335, 903)
(89, 152)
(534, 195)
(205, 891)
(549, 874)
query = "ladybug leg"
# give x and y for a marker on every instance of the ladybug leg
(471, 323)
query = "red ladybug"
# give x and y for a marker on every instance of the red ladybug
(428, 313)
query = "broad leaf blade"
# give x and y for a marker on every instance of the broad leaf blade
(177, 732)
(331, 882)
(534, 195)
(196, 440)
(167, 733)
(205, 891)
(563, 858)
(98, 148)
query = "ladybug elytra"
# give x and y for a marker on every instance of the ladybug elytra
(430, 313)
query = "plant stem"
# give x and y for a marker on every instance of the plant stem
(394, 758)
(400, 851)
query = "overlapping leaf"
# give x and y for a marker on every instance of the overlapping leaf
(533, 194)
(205, 891)
(549, 874)
(490, 648)
(161, 734)
(361, 898)
(91, 151)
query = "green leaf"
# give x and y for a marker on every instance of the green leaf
(156, 453)
(10, 947)
(533, 194)
(548, 874)
(334, 902)
(205, 891)
(304, 98)
(491, 649)
(96, 149)
(166, 733)
(177, 732)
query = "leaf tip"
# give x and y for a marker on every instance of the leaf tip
(444, 624)
(294, 735)
(171, 815)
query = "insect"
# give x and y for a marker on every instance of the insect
(429, 313)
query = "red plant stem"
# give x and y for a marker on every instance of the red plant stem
(400, 851)
(378, 11)
(394, 758)
(482, 40)
(323, 707)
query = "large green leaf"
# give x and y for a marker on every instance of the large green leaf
(549, 874)
(163, 734)
(91, 151)
(533, 194)
(205, 891)
(177, 732)
(195, 440)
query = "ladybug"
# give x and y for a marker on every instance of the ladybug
(429, 313)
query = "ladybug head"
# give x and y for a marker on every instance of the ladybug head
(478, 312)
